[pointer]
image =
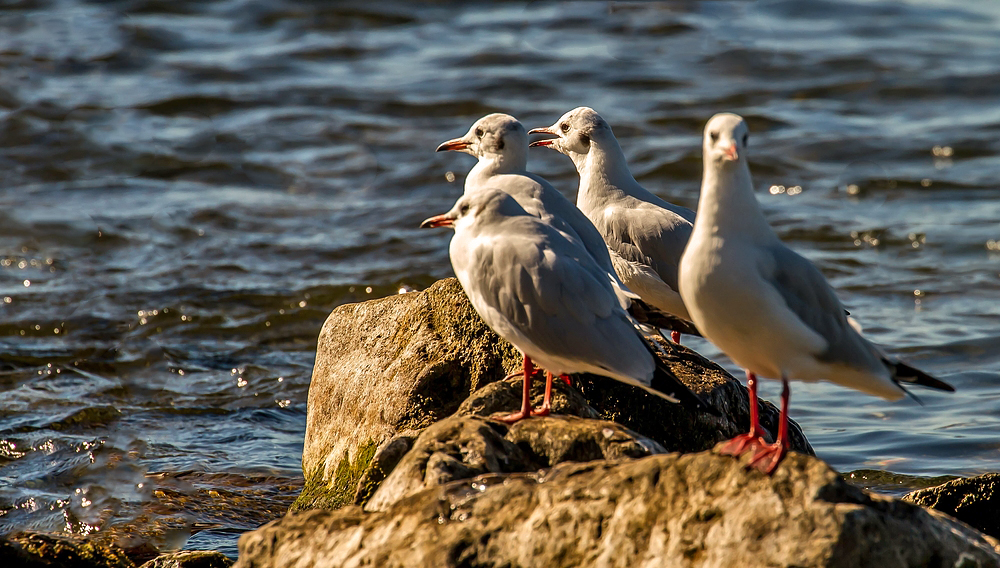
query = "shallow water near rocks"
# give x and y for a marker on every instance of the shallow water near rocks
(188, 188)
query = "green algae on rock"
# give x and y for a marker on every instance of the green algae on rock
(341, 489)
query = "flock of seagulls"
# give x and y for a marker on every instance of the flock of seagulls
(577, 288)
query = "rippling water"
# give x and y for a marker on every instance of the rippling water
(188, 188)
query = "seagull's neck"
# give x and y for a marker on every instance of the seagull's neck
(728, 206)
(493, 165)
(604, 175)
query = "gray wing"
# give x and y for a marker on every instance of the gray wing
(646, 234)
(552, 292)
(811, 298)
(539, 198)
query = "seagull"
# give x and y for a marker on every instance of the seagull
(500, 143)
(766, 307)
(646, 235)
(541, 290)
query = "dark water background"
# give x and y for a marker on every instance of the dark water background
(188, 188)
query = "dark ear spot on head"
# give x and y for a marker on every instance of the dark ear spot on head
(746, 138)
(585, 139)
(500, 144)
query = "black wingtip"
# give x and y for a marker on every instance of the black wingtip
(647, 314)
(904, 373)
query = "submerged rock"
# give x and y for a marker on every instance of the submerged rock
(662, 510)
(190, 559)
(973, 500)
(44, 550)
(385, 369)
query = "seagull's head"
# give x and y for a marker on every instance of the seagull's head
(481, 206)
(494, 136)
(726, 137)
(574, 132)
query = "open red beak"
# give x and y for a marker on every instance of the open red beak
(545, 142)
(441, 220)
(455, 144)
(731, 152)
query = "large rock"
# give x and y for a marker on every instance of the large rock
(973, 500)
(387, 368)
(663, 510)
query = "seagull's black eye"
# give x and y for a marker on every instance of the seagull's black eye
(746, 137)
(564, 127)
(479, 132)
(464, 209)
(714, 136)
(585, 139)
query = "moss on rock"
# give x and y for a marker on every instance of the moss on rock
(320, 493)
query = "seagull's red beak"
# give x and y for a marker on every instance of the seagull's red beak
(442, 220)
(454, 144)
(731, 152)
(545, 142)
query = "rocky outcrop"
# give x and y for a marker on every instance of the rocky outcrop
(385, 369)
(973, 500)
(662, 510)
(405, 467)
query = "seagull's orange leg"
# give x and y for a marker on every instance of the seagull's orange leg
(752, 439)
(528, 371)
(769, 456)
(546, 406)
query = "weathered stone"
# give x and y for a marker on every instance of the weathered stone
(664, 510)
(401, 363)
(386, 366)
(973, 500)
(454, 448)
(503, 397)
(385, 460)
(38, 550)
(557, 439)
(190, 559)
(463, 447)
